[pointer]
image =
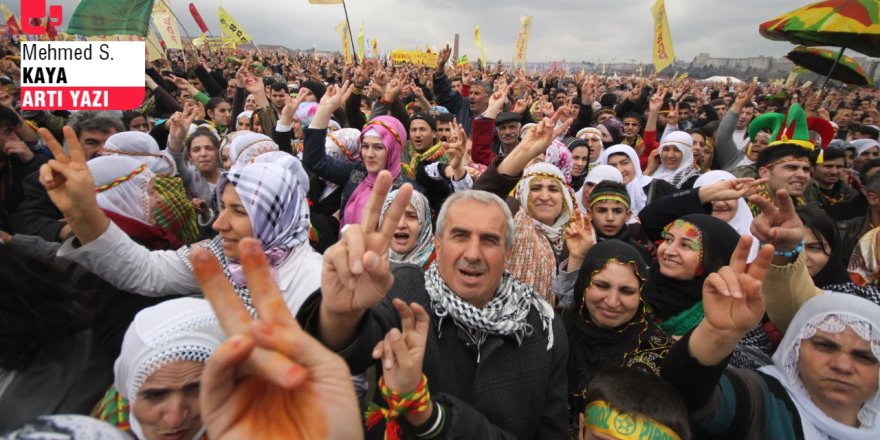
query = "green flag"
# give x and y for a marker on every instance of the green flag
(111, 17)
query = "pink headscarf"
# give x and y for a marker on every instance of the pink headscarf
(393, 137)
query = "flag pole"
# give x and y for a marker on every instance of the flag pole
(350, 35)
(184, 29)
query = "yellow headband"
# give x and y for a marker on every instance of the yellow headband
(601, 417)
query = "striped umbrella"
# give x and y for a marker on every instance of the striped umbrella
(822, 61)
(850, 24)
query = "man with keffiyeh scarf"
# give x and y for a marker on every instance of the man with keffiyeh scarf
(494, 353)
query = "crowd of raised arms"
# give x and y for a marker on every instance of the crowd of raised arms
(277, 245)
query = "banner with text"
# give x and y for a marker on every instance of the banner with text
(522, 42)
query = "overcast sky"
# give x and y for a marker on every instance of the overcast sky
(574, 30)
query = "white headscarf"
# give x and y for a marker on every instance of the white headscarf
(596, 175)
(123, 185)
(684, 143)
(421, 253)
(742, 221)
(246, 147)
(831, 312)
(545, 170)
(635, 187)
(183, 329)
(142, 147)
(863, 145)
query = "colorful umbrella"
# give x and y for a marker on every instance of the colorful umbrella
(851, 24)
(822, 61)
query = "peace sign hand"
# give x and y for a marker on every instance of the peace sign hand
(578, 239)
(67, 178)
(402, 352)
(779, 226)
(356, 273)
(732, 297)
(270, 378)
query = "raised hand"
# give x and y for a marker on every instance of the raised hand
(442, 59)
(392, 91)
(356, 273)
(780, 226)
(456, 150)
(728, 189)
(332, 98)
(742, 97)
(270, 378)
(178, 125)
(67, 178)
(497, 101)
(402, 352)
(732, 298)
(578, 239)
(656, 101)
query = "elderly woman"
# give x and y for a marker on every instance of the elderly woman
(546, 206)
(261, 200)
(174, 212)
(155, 391)
(414, 236)
(823, 382)
(609, 325)
(381, 142)
(674, 162)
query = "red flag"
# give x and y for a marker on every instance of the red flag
(12, 23)
(198, 18)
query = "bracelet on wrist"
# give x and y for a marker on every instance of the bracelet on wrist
(413, 402)
(792, 253)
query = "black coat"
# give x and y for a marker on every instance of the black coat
(515, 392)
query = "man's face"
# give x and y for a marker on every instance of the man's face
(479, 100)
(278, 98)
(139, 124)
(508, 132)
(684, 112)
(631, 127)
(421, 135)
(603, 117)
(745, 117)
(790, 173)
(444, 130)
(472, 251)
(829, 172)
(559, 99)
(92, 141)
(456, 85)
(197, 84)
(849, 157)
(842, 117)
(721, 109)
(230, 90)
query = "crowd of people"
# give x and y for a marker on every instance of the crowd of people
(275, 245)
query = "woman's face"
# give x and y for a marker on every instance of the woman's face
(139, 123)
(671, 157)
(233, 223)
(374, 154)
(724, 210)
(595, 144)
(838, 370)
(167, 405)
(580, 157)
(762, 140)
(680, 251)
(624, 165)
(612, 298)
(243, 123)
(698, 148)
(203, 154)
(407, 233)
(221, 114)
(545, 200)
(817, 251)
(225, 158)
(250, 103)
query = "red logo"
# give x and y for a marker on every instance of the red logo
(32, 13)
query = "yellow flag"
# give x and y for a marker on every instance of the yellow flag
(230, 28)
(154, 49)
(166, 25)
(361, 42)
(663, 53)
(479, 44)
(375, 45)
(342, 30)
(522, 42)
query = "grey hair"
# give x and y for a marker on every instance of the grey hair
(88, 120)
(485, 198)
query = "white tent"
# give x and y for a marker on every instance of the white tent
(724, 79)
